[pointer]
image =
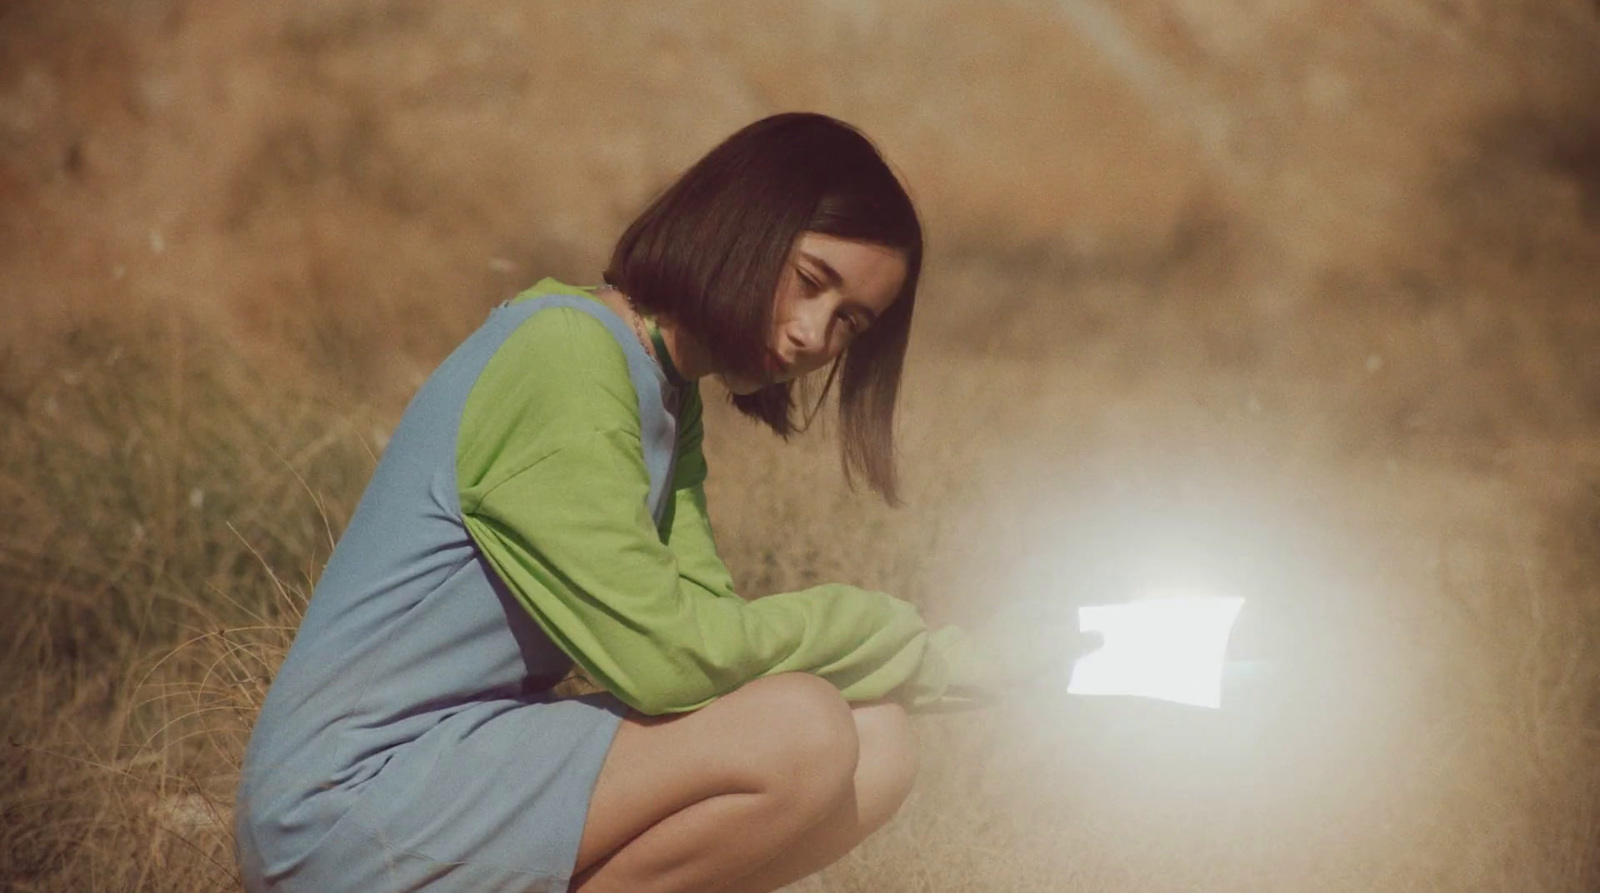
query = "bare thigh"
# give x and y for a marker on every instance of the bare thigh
(792, 736)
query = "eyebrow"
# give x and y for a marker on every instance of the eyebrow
(837, 281)
(828, 272)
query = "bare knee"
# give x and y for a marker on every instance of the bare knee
(806, 740)
(888, 762)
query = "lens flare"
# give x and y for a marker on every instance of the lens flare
(1171, 647)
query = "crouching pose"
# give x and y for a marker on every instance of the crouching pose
(541, 503)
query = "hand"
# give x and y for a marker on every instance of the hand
(1031, 642)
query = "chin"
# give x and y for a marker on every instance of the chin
(739, 385)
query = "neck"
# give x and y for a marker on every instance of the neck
(688, 354)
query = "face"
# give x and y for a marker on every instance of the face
(831, 291)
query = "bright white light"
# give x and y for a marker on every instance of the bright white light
(1169, 648)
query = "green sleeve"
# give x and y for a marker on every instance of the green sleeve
(948, 678)
(686, 529)
(553, 490)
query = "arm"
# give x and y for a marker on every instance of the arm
(589, 567)
(687, 531)
(553, 490)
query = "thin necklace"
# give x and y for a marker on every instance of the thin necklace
(635, 319)
(650, 339)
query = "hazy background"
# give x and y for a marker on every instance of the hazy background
(1295, 299)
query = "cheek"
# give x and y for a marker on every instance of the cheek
(783, 311)
(783, 299)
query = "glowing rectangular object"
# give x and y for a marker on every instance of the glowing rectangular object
(1170, 649)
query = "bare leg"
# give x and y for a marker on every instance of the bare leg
(687, 802)
(884, 775)
(757, 790)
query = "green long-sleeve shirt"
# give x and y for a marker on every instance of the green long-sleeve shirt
(553, 489)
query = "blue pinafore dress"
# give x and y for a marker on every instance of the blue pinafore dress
(410, 740)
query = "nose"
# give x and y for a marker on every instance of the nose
(807, 331)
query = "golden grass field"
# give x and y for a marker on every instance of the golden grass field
(1295, 298)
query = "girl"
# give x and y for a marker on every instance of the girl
(541, 503)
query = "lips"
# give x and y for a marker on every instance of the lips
(776, 365)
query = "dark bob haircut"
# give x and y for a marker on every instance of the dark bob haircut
(709, 253)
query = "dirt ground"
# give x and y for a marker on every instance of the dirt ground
(1294, 298)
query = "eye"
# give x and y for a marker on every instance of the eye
(808, 284)
(853, 321)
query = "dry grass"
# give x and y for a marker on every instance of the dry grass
(1298, 304)
(1434, 729)
(170, 517)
